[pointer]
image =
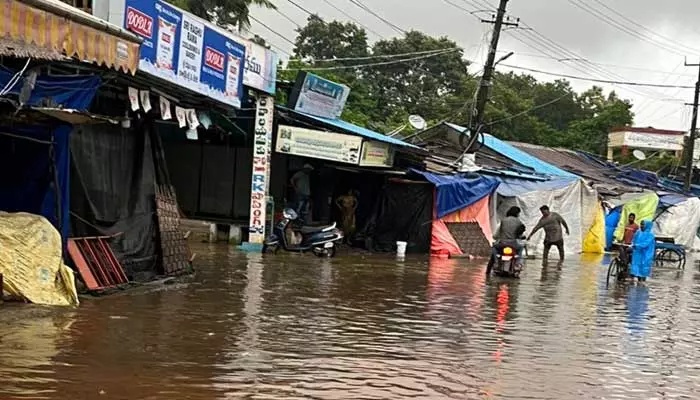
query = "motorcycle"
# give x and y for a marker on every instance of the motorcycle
(508, 261)
(321, 240)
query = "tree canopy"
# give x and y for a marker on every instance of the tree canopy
(223, 12)
(439, 88)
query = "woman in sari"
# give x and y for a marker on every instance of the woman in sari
(643, 250)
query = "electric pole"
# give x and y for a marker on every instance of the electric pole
(690, 147)
(489, 67)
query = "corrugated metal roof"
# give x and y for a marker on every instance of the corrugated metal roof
(13, 48)
(351, 128)
(518, 155)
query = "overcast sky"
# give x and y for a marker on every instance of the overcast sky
(651, 50)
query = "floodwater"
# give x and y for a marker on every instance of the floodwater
(298, 327)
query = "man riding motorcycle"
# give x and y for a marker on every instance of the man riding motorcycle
(509, 232)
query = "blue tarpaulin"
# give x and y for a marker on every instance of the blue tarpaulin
(611, 222)
(31, 187)
(455, 192)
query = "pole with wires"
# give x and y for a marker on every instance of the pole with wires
(690, 148)
(489, 68)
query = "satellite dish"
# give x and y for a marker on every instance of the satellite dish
(639, 155)
(417, 122)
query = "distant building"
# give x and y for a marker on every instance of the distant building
(645, 139)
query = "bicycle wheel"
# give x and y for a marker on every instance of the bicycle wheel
(613, 271)
(671, 258)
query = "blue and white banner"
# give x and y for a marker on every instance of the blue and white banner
(187, 51)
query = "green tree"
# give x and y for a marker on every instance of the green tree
(225, 13)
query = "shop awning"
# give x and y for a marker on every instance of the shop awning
(351, 128)
(49, 29)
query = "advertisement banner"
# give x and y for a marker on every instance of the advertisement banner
(318, 96)
(318, 144)
(377, 154)
(260, 68)
(261, 168)
(187, 51)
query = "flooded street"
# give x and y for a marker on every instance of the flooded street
(360, 327)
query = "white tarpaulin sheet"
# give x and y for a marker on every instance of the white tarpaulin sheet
(681, 222)
(576, 203)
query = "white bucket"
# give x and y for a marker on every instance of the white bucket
(401, 248)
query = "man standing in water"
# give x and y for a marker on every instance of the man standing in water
(552, 223)
(302, 190)
(348, 206)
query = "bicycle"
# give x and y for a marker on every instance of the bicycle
(620, 265)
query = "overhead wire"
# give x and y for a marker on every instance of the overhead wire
(355, 20)
(337, 67)
(591, 79)
(534, 108)
(273, 31)
(295, 4)
(375, 56)
(625, 29)
(652, 32)
(362, 6)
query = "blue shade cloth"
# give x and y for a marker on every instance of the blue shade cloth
(513, 187)
(351, 128)
(611, 222)
(71, 92)
(456, 192)
(643, 249)
(31, 187)
(518, 155)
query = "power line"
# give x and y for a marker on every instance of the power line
(537, 107)
(579, 63)
(340, 10)
(272, 30)
(629, 67)
(591, 79)
(413, 53)
(631, 21)
(287, 18)
(615, 24)
(370, 64)
(300, 7)
(362, 6)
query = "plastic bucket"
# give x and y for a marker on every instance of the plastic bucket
(401, 248)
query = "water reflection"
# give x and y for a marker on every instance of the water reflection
(365, 327)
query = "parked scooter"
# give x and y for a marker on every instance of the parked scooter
(321, 240)
(508, 262)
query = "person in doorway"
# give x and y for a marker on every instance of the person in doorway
(348, 206)
(552, 223)
(301, 182)
(510, 230)
(630, 229)
(643, 250)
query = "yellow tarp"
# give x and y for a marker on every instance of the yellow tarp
(643, 207)
(594, 241)
(31, 262)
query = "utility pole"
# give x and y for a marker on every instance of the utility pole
(489, 67)
(690, 148)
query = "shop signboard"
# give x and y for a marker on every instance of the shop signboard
(652, 141)
(318, 96)
(261, 168)
(260, 68)
(377, 154)
(187, 51)
(318, 144)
